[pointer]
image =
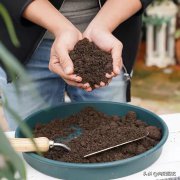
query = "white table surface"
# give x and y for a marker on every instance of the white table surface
(169, 161)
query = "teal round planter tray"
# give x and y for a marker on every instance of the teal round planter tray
(94, 171)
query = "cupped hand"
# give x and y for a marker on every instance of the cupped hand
(109, 43)
(60, 62)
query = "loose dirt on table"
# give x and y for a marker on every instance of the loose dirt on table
(99, 131)
(91, 63)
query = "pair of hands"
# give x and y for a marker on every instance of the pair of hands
(61, 64)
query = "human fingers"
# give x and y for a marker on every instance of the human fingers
(55, 67)
(109, 76)
(117, 59)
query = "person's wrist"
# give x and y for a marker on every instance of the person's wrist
(93, 30)
(59, 29)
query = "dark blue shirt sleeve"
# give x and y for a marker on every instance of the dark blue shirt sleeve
(145, 3)
(16, 8)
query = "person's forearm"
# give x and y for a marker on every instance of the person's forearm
(114, 12)
(43, 13)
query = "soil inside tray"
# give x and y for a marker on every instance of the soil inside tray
(91, 63)
(90, 130)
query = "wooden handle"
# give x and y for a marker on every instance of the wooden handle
(26, 144)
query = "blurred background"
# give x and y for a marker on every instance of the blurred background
(156, 76)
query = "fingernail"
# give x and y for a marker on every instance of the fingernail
(89, 89)
(108, 75)
(102, 83)
(68, 70)
(78, 79)
(86, 85)
(117, 70)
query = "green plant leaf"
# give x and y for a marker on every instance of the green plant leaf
(9, 25)
(12, 65)
(6, 173)
(8, 153)
(9, 172)
(24, 128)
(15, 69)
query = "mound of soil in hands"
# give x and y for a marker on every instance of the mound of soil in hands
(91, 63)
(99, 131)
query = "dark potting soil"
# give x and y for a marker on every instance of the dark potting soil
(91, 63)
(99, 131)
